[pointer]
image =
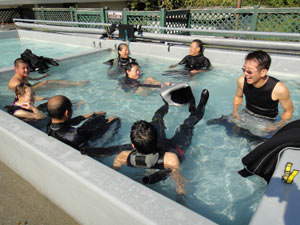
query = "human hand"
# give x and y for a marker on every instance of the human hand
(27, 105)
(168, 83)
(194, 71)
(100, 113)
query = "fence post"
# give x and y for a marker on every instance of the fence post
(43, 13)
(71, 9)
(125, 21)
(162, 19)
(254, 18)
(102, 15)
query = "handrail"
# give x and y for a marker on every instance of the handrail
(230, 33)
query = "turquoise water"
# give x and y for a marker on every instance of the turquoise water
(12, 48)
(214, 188)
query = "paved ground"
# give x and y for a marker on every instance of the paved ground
(22, 204)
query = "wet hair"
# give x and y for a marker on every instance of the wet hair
(18, 61)
(129, 67)
(56, 109)
(20, 89)
(263, 59)
(120, 47)
(200, 44)
(144, 137)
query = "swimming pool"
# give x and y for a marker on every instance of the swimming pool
(13, 47)
(215, 190)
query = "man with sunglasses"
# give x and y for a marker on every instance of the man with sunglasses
(262, 92)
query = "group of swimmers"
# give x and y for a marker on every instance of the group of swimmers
(149, 147)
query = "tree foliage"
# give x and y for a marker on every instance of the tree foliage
(176, 4)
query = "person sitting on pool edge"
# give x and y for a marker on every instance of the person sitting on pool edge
(22, 76)
(195, 62)
(23, 106)
(62, 124)
(262, 92)
(151, 149)
(131, 82)
(123, 59)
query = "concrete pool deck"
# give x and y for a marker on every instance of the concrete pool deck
(22, 204)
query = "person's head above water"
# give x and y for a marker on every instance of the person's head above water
(60, 107)
(143, 136)
(256, 66)
(133, 71)
(123, 50)
(196, 47)
(24, 93)
(21, 67)
(262, 58)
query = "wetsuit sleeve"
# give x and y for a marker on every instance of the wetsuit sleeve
(109, 62)
(150, 85)
(76, 120)
(105, 151)
(206, 64)
(183, 61)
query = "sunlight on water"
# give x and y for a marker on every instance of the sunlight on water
(12, 48)
(215, 190)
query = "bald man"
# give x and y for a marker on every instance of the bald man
(62, 124)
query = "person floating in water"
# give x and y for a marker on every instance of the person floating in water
(122, 61)
(150, 149)
(131, 82)
(262, 92)
(22, 76)
(62, 124)
(195, 62)
(23, 106)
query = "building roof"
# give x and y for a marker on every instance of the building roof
(30, 2)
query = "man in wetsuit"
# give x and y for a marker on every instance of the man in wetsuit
(151, 149)
(195, 62)
(131, 82)
(62, 126)
(22, 76)
(262, 92)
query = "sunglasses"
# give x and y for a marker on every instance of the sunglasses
(248, 71)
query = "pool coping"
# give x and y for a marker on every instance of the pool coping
(59, 159)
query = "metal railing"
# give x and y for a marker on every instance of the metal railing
(244, 19)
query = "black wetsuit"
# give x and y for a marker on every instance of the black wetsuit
(259, 100)
(198, 62)
(94, 127)
(263, 159)
(177, 144)
(121, 62)
(128, 84)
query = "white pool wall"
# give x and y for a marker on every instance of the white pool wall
(87, 190)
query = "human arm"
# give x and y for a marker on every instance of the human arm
(35, 114)
(172, 163)
(120, 160)
(91, 114)
(238, 98)
(39, 78)
(282, 94)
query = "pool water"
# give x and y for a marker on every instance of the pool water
(214, 188)
(12, 48)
